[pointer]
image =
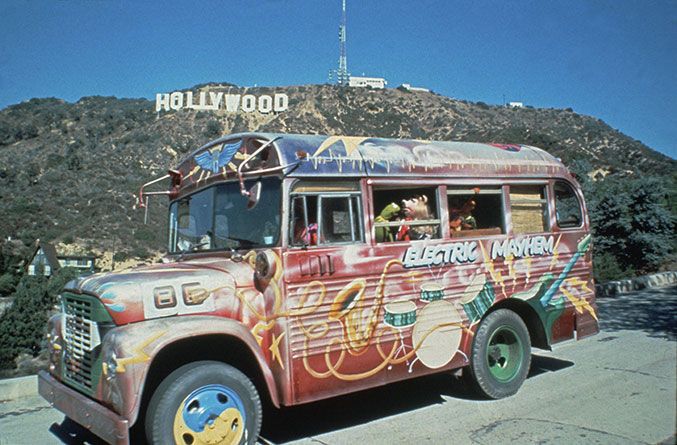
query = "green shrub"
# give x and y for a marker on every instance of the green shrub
(7, 284)
(606, 268)
(24, 324)
(120, 256)
(146, 233)
(140, 252)
(213, 129)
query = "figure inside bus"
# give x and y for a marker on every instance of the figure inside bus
(389, 213)
(474, 212)
(305, 221)
(415, 208)
(404, 206)
(462, 218)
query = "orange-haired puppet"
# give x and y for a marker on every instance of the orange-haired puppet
(461, 218)
(415, 208)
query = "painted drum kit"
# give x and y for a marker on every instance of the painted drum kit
(438, 326)
(437, 334)
(431, 292)
(477, 298)
(400, 315)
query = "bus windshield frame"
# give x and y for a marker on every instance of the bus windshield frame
(217, 218)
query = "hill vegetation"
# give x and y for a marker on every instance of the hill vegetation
(69, 171)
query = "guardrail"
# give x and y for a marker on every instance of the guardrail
(657, 280)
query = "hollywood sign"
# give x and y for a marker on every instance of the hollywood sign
(232, 103)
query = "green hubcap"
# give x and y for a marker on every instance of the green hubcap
(504, 354)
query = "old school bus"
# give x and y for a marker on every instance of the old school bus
(304, 267)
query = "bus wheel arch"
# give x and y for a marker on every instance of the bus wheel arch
(221, 348)
(500, 355)
(204, 402)
(530, 318)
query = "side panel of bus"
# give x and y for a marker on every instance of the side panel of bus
(391, 306)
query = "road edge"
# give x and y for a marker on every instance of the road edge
(15, 388)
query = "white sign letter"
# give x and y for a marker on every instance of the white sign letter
(232, 102)
(216, 100)
(281, 102)
(265, 104)
(162, 101)
(189, 100)
(176, 100)
(248, 103)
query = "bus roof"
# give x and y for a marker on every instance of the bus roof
(321, 155)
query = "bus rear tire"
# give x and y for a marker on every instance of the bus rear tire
(501, 355)
(204, 402)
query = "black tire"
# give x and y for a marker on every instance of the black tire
(501, 355)
(204, 402)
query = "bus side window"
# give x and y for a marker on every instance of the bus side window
(529, 209)
(475, 211)
(406, 214)
(567, 207)
(304, 221)
(339, 219)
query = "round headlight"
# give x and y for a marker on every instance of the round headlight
(264, 269)
(262, 265)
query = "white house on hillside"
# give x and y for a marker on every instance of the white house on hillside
(363, 82)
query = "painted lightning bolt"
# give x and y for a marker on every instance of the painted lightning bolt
(140, 355)
(495, 275)
(555, 253)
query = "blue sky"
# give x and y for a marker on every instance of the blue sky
(612, 59)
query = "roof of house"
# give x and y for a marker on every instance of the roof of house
(50, 254)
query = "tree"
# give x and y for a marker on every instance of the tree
(632, 225)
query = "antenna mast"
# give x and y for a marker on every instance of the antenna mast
(342, 76)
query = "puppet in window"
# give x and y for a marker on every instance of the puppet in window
(461, 218)
(389, 213)
(415, 208)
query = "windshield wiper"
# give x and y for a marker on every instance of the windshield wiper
(244, 243)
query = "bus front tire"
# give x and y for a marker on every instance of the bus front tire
(501, 355)
(204, 402)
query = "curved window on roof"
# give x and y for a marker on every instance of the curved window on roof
(267, 158)
(567, 206)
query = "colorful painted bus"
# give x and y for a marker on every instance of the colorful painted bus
(303, 267)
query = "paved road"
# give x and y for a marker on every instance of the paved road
(615, 388)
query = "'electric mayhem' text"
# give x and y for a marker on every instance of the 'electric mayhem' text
(421, 255)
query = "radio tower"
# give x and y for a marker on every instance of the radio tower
(342, 75)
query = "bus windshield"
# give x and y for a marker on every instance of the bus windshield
(217, 218)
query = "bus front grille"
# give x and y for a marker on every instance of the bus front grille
(81, 340)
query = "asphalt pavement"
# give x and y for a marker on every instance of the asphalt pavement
(618, 387)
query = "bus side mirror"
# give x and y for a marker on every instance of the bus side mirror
(254, 194)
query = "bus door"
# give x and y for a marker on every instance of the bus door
(329, 290)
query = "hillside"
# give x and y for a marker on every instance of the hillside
(68, 171)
